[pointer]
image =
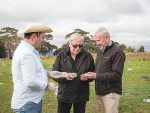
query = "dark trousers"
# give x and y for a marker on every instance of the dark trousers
(65, 107)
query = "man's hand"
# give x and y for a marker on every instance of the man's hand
(92, 75)
(64, 74)
(57, 74)
(70, 77)
(54, 74)
(51, 86)
(84, 77)
(47, 85)
(89, 75)
(48, 74)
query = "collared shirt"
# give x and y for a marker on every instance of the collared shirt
(74, 62)
(107, 45)
(29, 76)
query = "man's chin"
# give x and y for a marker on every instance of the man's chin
(39, 47)
(101, 48)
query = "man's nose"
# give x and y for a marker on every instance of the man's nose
(78, 47)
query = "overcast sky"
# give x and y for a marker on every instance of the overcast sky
(128, 21)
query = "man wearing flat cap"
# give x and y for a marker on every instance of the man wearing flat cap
(29, 76)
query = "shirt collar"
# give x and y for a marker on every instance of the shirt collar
(107, 45)
(30, 46)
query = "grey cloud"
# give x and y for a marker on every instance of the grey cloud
(124, 19)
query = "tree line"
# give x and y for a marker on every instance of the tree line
(9, 40)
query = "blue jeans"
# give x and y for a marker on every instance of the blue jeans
(30, 107)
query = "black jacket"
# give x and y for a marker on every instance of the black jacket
(75, 90)
(109, 70)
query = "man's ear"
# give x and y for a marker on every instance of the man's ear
(33, 36)
(69, 43)
(107, 38)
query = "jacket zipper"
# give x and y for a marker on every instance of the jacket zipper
(98, 66)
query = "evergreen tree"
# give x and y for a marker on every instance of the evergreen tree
(130, 49)
(141, 49)
(58, 50)
(46, 47)
(116, 43)
(123, 47)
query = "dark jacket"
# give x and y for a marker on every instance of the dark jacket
(110, 70)
(75, 90)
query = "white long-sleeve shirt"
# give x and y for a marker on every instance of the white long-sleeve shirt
(29, 76)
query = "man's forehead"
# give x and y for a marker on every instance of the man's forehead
(97, 37)
(76, 41)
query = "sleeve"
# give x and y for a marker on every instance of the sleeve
(57, 67)
(29, 73)
(91, 67)
(117, 69)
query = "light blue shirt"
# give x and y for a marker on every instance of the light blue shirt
(29, 76)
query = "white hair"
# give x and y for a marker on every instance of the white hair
(103, 32)
(75, 36)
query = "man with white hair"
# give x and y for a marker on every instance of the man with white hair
(72, 90)
(108, 72)
(29, 76)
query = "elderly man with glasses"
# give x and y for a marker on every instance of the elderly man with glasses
(72, 90)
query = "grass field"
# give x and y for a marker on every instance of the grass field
(129, 103)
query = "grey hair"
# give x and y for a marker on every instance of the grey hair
(75, 36)
(103, 32)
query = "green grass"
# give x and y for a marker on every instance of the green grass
(129, 103)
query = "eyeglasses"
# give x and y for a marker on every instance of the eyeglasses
(75, 46)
